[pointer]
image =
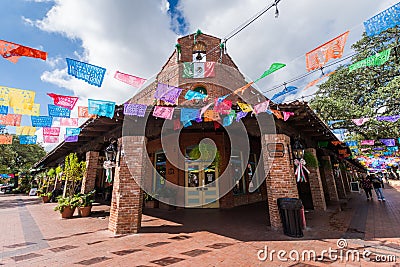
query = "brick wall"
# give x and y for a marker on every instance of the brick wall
(89, 180)
(316, 187)
(329, 178)
(280, 181)
(127, 196)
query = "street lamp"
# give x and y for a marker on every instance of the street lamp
(298, 149)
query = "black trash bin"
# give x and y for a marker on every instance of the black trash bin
(290, 211)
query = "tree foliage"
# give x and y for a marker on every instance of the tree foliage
(366, 92)
(73, 173)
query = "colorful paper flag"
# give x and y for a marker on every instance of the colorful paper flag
(383, 21)
(101, 108)
(204, 109)
(193, 95)
(3, 110)
(41, 121)
(312, 83)
(6, 139)
(240, 115)
(262, 107)
(211, 115)
(89, 73)
(34, 111)
(198, 69)
(135, 109)
(367, 142)
(163, 112)
(72, 131)
(330, 123)
(229, 119)
(223, 107)
(129, 79)
(286, 115)
(189, 114)
(50, 139)
(374, 60)
(167, 93)
(71, 139)
(56, 111)
(17, 98)
(245, 107)
(64, 101)
(10, 119)
(243, 88)
(51, 131)
(25, 130)
(335, 143)
(352, 143)
(280, 97)
(69, 122)
(332, 49)
(360, 121)
(393, 118)
(274, 67)
(277, 114)
(83, 112)
(388, 141)
(12, 52)
(27, 139)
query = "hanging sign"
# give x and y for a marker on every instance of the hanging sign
(89, 73)
(129, 79)
(64, 101)
(27, 139)
(101, 108)
(41, 121)
(276, 150)
(12, 52)
(56, 111)
(135, 109)
(383, 21)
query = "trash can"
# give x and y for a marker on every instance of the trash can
(290, 211)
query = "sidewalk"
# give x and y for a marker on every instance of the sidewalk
(34, 235)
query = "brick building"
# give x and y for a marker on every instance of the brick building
(254, 159)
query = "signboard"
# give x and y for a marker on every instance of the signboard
(276, 150)
(355, 187)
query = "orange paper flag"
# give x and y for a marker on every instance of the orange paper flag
(13, 52)
(6, 139)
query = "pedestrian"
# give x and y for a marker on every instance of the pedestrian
(366, 184)
(378, 185)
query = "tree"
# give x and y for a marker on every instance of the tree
(365, 92)
(73, 174)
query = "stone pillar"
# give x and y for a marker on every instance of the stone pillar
(314, 178)
(329, 178)
(127, 196)
(89, 180)
(281, 181)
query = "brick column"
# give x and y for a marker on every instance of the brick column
(127, 196)
(89, 180)
(329, 178)
(314, 178)
(280, 181)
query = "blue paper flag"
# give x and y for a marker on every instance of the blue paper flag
(4, 110)
(91, 74)
(41, 121)
(72, 131)
(189, 114)
(383, 21)
(56, 111)
(2, 127)
(190, 95)
(278, 98)
(27, 139)
(101, 108)
(352, 143)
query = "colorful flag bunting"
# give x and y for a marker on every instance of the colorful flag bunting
(360, 121)
(50, 139)
(34, 111)
(56, 111)
(312, 83)
(3, 110)
(12, 52)
(286, 115)
(135, 109)
(27, 139)
(6, 139)
(393, 118)
(69, 122)
(245, 107)
(277, 114)
(330, 123)
(10, 119)
(163, 112)
(17, 98)
(393, 148)
(25, 130)
(279, 97)
(352, 143)
(323, 143)
(129, 79)
(204, 109)
(89, 73)
(72, 131)
(64, 101)
(51, 131)
(101, 108)
(274, 67)
(383, 21)
(335, 143)
(223, 107)
(41, 121)
(71, 139)
(189, 114)
(229, 119)
(83, 112)
(367, 142)
(374, 60)
(318, 57)
(240, 115)
(388, 141)
(262, 107)
(243, 88)
(211, 115)
(193, 95)
(167, 93)
(198, 69)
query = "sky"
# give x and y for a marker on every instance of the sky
(137, 37)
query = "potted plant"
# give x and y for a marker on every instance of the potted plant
(150, 201)
(46, 197)
(67, 205)
(85, 203)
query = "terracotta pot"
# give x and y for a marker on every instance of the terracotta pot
(84, 211)
(45, 199)
(67, 213)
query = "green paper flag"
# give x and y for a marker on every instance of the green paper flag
(323, 143)
(375, 60)
(274, 67)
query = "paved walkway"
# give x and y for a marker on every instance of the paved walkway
(32, 234)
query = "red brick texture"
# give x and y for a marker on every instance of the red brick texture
(326, 164)
(127, 196)
(317, 190)
(89, 180)
(280, 180)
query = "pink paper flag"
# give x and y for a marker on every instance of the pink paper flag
(163, 112)
(368, 142)
(50, 139)
(286, 115)
(129, 79)
(223, 107)
(51, 131)
(360, 121)
(68, 122)
(64, 101)
(262, 107)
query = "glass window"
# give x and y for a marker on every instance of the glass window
(250, 172)
(238, 178)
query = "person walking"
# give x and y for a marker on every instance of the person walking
(366, 184)
(378, 185)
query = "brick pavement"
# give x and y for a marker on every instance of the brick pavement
(34, 235)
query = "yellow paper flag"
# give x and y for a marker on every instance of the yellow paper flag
(25, 130)
(245, 107)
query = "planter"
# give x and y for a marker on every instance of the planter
(151, 204)
(45, 199)
(84, 211)
(67, 213)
